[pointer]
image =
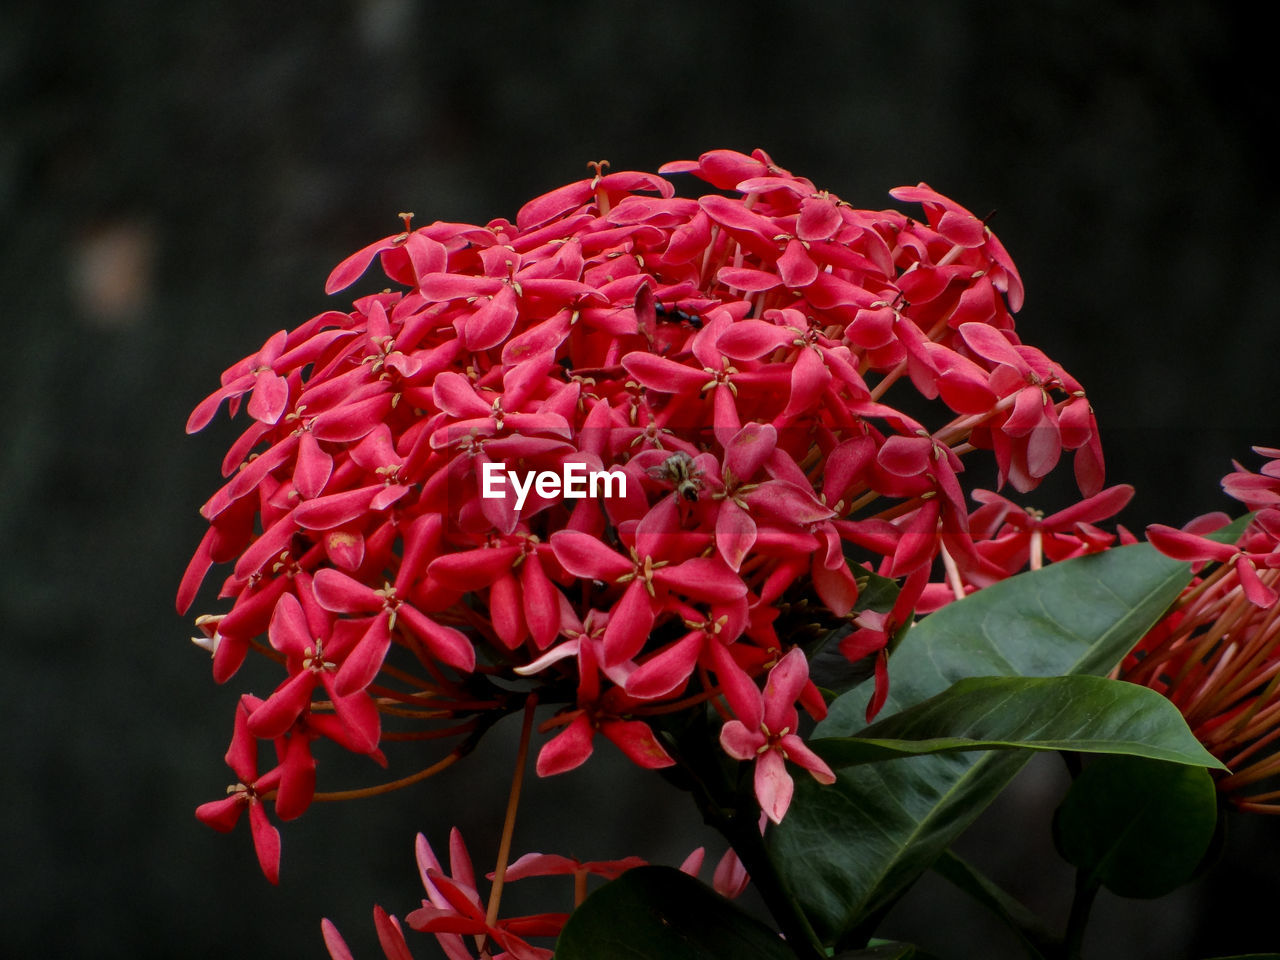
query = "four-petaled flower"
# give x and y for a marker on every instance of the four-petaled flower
(765, 731)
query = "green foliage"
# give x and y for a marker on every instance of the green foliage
(850, 850)
(659, 913)
(1137, 827)
(1079, 713)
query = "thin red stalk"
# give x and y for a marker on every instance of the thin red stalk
(513, 803)
(381, 788)
(430, 734)
(1258, 649)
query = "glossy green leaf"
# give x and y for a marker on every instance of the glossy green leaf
(1083, 714)
(849, 850)
(659, 913)
(1137, 827)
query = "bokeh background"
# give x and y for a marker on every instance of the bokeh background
(176, 180)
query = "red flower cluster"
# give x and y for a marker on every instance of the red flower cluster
(456, 915)
(1216, 655)
(725, 360)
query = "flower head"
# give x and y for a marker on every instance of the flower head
(727, 360)
(1216, 655)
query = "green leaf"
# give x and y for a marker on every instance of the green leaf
(1083, 714)
(1035, 936)
(659, 913)
(1138, 827)
(849, 850)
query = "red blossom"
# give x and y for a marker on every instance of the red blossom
(1216, 654)
(737, 358)
(765, 732)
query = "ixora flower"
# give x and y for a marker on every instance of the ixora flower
(1216, 654)
(725, 362)
(459, 918)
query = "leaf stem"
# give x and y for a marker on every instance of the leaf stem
(1073, 939)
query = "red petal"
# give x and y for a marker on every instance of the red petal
(906, 456)
(1187, 547)
(786, 679)
(313, 467)
(364, 662)
(491, 323)
(1098, 507)
(270, 397)
(345, 548)
(750, 448)
(1259, 594)
(735, 534)
(359, 715)
(473, 569)
(338, 593)
(743, 695)
(222, 815)
(583, 555)
(568, 749)
(881, 692)
(298, 781)
(819, 219)
(748, 279)
(740, 741)
(350, 269)
(541, 603)
(276, 716)
(664, 375)
(663, 673)
(448, 645)
(836, 587)
(629, 625)
(730, 877)
(506, 611)
(774, 786)
(636, 740)
(703, 578)
(195, 573)
(796, 268)
(333, 942)
(750, 339)
(390, 937)
(266, 842)
(991, 344)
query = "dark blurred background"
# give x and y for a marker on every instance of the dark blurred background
(176, 180)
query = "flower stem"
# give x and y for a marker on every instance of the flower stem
(748, 843)
(513, 802)
(381, 788)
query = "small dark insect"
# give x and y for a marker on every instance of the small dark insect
(675, 313)
(679, 470)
